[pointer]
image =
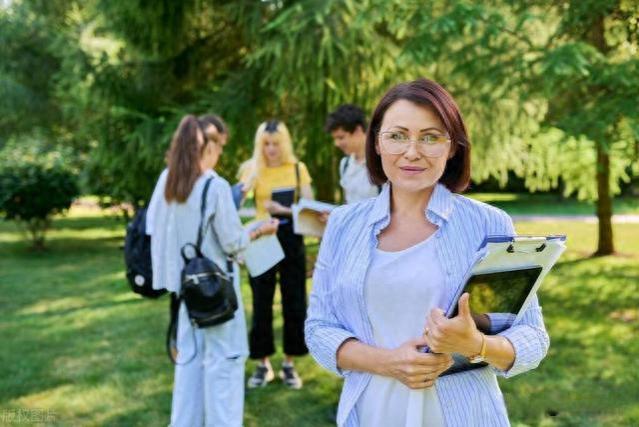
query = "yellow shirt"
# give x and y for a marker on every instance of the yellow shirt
(276, 178)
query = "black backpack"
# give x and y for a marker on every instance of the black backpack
(207, 290)
(137, 257)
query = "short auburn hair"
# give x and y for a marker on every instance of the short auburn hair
(431, 95)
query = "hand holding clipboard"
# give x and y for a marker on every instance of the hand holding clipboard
(501, 283)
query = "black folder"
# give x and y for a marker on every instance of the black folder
(283, 196)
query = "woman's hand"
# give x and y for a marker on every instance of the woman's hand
(269, 227)
(276, 208)
(413, 368)
(323, 217)
(456, 335)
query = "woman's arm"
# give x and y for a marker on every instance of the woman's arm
(231, 235)
(306, 192)
(323, 332)
(275, 208)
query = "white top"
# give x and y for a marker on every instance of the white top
(400, 290)
(172, 225)
(355, 181)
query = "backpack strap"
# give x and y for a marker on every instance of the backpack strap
(344, 165)
(200, 234)
(297, 182)
(200, 231)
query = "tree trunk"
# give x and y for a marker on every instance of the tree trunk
(605, 245)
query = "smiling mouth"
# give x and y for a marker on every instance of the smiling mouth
(412, 169)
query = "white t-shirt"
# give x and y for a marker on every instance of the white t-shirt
(400, 290)
(355, 181)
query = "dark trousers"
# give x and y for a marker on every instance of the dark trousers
(292, 276)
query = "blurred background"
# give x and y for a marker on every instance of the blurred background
(91, 92)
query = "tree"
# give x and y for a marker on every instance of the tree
(35, 184)
(571, 71)
(546, 88)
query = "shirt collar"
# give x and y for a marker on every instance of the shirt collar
(440, 205)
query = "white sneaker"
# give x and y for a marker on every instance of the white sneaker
(289, 376)
(263, 375)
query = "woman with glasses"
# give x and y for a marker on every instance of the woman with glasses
(209, 371)
(389, 266)
(278, 179)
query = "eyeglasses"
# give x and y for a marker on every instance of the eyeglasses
(429, 145)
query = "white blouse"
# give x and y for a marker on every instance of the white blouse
(400, 290)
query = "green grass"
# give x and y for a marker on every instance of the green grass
(78, 343)
(549, 204)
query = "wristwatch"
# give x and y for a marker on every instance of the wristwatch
(481, 356)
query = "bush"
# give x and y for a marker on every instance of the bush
(33, 188)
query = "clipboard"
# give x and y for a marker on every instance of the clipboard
(525, 259)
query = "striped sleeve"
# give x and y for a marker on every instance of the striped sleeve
(324, 334)
(529, 339)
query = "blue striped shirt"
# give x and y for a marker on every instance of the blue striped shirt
(337, 309)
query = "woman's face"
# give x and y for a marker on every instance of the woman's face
(212, 133)
(412, 170)
(272, 149)
(211, 154)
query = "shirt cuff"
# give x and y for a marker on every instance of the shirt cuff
(527, 347)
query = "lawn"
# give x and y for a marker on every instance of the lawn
(81, 347)
(550, 204)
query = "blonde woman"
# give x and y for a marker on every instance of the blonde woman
(277, 178)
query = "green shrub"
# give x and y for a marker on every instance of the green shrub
(34, 186)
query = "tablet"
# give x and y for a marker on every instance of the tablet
(497, 292)
(500, 291)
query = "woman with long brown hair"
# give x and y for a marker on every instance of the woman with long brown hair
(209, 371)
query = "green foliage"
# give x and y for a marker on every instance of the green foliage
(539, 91)
(25, 73)
(34, 186)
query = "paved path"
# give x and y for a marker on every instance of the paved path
(619, 219)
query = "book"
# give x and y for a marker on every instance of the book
(283, 196)
(306, 217)
(263, 253)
